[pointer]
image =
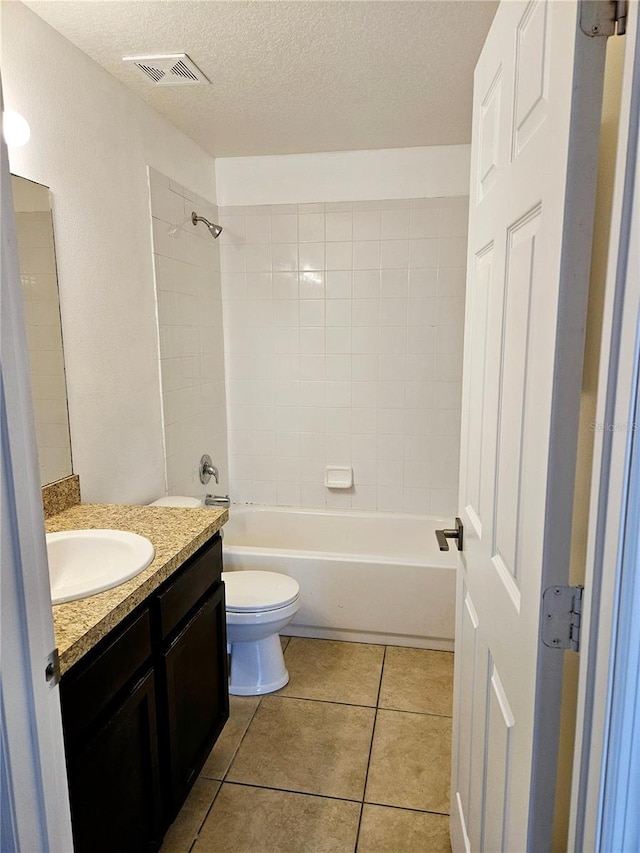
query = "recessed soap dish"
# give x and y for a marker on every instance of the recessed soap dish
(338, 477)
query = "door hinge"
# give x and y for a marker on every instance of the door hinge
(52, 670)
(603, 17)
(561, 617)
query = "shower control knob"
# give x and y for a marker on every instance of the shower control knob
(207, 470)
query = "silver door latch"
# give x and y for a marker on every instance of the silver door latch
(457, 534)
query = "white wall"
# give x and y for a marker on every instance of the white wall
(343, 336)
(187, 271)
(91, 141)
(394, 173)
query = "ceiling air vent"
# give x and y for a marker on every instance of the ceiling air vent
(175, 69)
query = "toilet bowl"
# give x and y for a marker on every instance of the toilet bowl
(259, 606)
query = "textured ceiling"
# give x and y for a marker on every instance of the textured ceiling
(295, 77)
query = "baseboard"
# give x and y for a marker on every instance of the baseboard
(350, 636)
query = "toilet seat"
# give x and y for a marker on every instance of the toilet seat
(258, 592)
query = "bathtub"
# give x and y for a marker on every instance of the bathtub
(364, 576)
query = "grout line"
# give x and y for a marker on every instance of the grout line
(202, 822)
(293, 791)
(417, 713)
(355, 848)
(244, 734)
(222, 781)
(324, 701)
(384, 659)
(373, 732)
(329, 797)
(406, 809)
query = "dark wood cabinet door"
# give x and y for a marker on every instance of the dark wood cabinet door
(114, 780)
(197, 698)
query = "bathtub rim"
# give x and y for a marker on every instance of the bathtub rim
(339, 556)
(346, 511)
(432, 559)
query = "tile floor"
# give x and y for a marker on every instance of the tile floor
(353, 755)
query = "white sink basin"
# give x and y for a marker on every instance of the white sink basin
(84, 562)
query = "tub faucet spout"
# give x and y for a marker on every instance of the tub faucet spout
(223, 501)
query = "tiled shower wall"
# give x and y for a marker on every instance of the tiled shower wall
(187, 272)
(343, 345)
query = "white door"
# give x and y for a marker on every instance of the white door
(537, 97)
(34, 800)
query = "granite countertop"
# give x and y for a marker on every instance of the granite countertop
(176, 534)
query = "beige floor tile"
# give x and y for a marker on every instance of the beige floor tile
(241, 710)
(334, 672)
(259, 820)
(311, 747)
(417, 680)
(284, 642)
(384, 830)
(183, 830)
(410, 761)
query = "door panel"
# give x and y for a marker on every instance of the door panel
(531, 74)
(467, 632)
(489, 135)
(537, 93)
(515, 412)
(472, 680)
(500, 723)
(479, 338)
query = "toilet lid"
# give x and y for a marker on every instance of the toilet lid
(256, 591)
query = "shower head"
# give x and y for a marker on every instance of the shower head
(216, 230)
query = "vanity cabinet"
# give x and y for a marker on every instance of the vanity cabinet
(142, 710)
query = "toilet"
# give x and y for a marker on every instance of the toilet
(259, 606)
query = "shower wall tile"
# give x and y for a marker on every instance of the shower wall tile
(34, 232)
(189, 305)
(343, 345)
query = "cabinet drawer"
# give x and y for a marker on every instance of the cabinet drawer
(87, 691)
(191, 584)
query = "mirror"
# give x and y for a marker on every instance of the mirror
(36, 251)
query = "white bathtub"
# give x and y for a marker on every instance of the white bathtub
(364, 576)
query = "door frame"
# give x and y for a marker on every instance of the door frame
(606, 750)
